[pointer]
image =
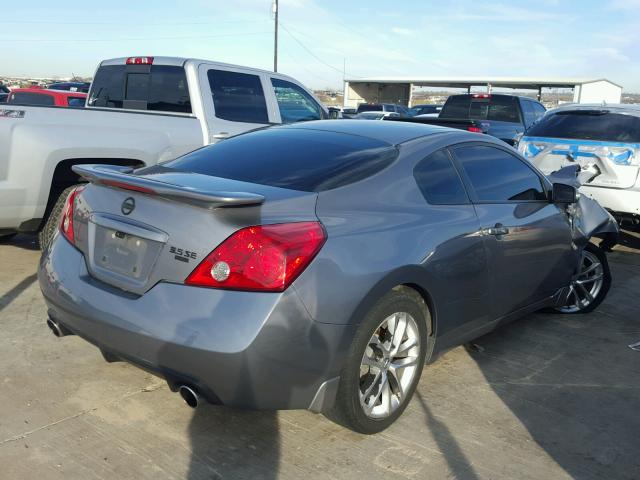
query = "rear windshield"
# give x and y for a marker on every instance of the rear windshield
(293, 158)
(27, 98)
(367, 107)
(158, 88)
(502, 108)
(598, 125)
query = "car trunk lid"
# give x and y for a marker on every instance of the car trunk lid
(617, 162)
(136, 230)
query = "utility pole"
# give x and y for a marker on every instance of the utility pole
(275, 36)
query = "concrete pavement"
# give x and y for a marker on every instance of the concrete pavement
(547, 397)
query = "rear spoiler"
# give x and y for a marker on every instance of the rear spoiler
(120, 177)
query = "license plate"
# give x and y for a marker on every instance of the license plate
(120, 252)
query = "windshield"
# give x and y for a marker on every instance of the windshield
(601, 125)
(272, 157)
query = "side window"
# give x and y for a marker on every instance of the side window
(528, 112)
(76, 101)
(28, 98)
(539, 110)
(294, 103)
(498, 176)
(438, 180)
(238, 97)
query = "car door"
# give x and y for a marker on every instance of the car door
(458, 264)
(528, 238)
(294, 103)
(236, 102)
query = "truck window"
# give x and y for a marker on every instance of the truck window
(294, 103)
(502, 108)
(76, 101)
(528, 113)
(238, 97)
(163, 88)
(27, 98)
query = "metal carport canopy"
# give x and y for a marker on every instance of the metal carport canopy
(466, 82)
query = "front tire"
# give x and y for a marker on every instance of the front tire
(53, 220)
(384, 363)
(590, 287)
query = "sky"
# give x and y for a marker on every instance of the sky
(595, 39)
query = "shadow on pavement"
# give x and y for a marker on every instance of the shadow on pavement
(573, 382)
(15, 292)
(23, 240)
(447, 444)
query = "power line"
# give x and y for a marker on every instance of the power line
(310, 52)
(119, 39)
(137, 24)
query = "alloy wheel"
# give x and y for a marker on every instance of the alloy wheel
(586, 286)
(389, 365)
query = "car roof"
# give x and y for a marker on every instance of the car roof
(393, 133)
(630, 109)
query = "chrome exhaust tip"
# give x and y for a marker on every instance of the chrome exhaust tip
(55, 328)
(189, 396)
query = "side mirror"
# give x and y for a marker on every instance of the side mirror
(563, 193)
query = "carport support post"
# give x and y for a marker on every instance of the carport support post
(540, 94)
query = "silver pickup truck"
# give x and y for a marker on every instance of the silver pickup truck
(140, 111)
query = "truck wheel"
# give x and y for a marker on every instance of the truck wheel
(590, 287)
(384, 364)
(53, 221)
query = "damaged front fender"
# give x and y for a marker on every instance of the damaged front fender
(588, 218)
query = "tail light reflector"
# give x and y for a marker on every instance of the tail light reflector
(140, 61)
(474, 129)
(265, 258)
(66, 221)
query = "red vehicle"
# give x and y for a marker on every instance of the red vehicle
(44, 97)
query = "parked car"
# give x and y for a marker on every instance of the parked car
(606, 137)
(503, 116)
(433, 110)
(71, 86)
(348, 112)
(46, 98)
(376, 115)
(401, 110)
(170, 106)
(252, 276)
(3, 97)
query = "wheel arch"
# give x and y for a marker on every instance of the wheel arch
(412, 277)
(64, 177)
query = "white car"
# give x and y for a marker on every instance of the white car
(604, 138)
(140, 111)
(376, 115)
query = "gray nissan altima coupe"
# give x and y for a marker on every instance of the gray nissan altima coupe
(320, 265)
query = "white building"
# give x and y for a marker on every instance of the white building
(399, 90)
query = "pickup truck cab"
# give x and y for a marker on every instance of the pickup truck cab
(140, 111)
(46, 97)
(503, 116)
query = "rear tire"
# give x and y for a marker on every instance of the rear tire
(591, 286)
(53, 221)
(384, 363)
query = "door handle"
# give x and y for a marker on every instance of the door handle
(496, 230)
(220, 135)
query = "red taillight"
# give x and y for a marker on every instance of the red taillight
(474, 129)
(140, 61)
(265, 258)
(66, 221)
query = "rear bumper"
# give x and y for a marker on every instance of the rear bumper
(624, 203)
(242, 349)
